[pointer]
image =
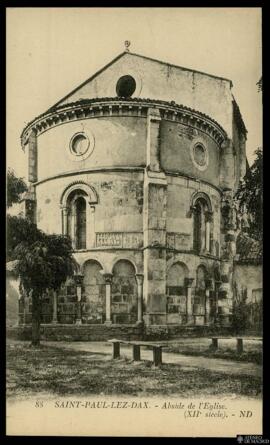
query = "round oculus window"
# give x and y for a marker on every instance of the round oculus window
(199, 155)
(81, 146)
(125, 86)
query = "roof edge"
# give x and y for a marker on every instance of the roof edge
(145, 101)
(238, 116)
(143, 57)
(181, 67)
(88, 80)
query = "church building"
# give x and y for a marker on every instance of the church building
(138, 166)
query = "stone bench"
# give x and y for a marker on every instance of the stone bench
(239, 342)
(136, 346)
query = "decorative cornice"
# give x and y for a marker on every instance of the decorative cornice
(132, 107)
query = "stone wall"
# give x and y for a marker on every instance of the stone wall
(179, 216)
(104, 333)
(176, 151)
(78, 333)
(115, 141)
(119, 207)
(155, 80)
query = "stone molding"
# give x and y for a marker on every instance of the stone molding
(98, 108)
(79, 185)
(120, 240)
(195, 183)
(201, 195)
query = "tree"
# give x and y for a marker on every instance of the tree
(43, 264)
(15, 188)
(241, 311)
(19, 230)
(249, 195)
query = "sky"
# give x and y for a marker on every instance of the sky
(50, 51)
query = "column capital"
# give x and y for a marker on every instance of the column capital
(209, 216)
(64, 208)
(108, 277)
(209, 283)
(153, 114)
(78, 278)
(139, 278)
(108, 280)
(189, 281)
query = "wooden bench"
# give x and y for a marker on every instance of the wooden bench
(136, 346)
(239, 342)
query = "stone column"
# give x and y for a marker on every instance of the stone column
(108, 280)
(78, 280)
(32, 157)
(153, 128)
(208, 220)
(243, 161)
(154, 226)
(28, 204)
(155, 209)
(208, 283)
(65, 220)
(207, 236)
(189, 311)
(217, 286)
(73, 227)
(90, 229)
(21, 307)
(227, 165)
(230, 223)
(26, 309)
(54, 319)
(139, 278)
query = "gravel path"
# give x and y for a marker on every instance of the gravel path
(213, 364)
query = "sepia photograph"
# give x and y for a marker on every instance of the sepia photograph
(134, 295)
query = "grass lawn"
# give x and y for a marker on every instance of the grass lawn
(67, 372)
(227, 349)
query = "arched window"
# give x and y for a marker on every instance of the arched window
(77, 204)
(202, 217)
(200, 278)
(76, 219)
(80, 231)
